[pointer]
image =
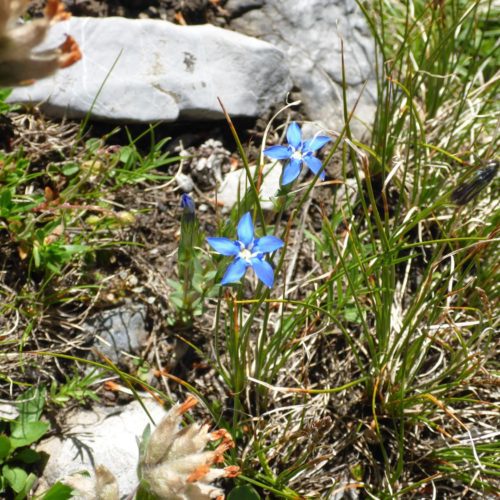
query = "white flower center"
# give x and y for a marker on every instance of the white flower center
(297, 155)
(245, 254)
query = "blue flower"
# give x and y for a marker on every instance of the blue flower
(298, 152)
(247, 252)
(187, 204)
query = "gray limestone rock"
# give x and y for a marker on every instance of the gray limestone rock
(142, 70)
(239, 7)
(118, 330)
(310, 32)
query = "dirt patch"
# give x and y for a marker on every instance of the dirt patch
(178, 11)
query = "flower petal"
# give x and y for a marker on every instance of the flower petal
(234, 271)
(294, 135)
(316, 142)
(291, 172)
(187, 203)
(224, 246)
(267, 244)
(278, 152)
(264, 271)
(245, 229)
(314, 165)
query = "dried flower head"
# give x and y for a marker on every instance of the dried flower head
(176, 467)
(102, 487)
(19, 65)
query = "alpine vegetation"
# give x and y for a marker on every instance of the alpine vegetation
(298, 152)
(173, 464)
(103, 486)
(247, 252)
(19, 64)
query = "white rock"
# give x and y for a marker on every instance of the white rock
(8, 411)
(143, 70)
(104, 436)
(235, 186)
(310, 33)
(184, 182)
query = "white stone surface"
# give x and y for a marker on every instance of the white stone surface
(103, 436)
(310, 32)
(235, 185)
(143, 70)
(8, 411)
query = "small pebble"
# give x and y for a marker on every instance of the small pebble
(184, 182)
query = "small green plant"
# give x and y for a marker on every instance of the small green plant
(77, 388)
(4, 107)
(17, 457)
(130, 166)
(195, 281)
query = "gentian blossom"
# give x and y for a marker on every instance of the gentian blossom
(247, 252)
(298, 152)
(188, 208)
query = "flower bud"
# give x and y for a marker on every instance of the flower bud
(125, 218)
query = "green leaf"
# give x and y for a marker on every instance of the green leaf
(32, 403)
(5, 108)
(36, 256)
(176, 285)
(24, 435)
(352, 314)
(27, 456)
(244, 492)
(143, 443)
(5, 202)
(177, 300)
(58, 492)
(15, 476)
(28, 484)
(70, 169)
(143, 492)
(4, 446)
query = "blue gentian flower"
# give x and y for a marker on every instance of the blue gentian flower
(188, 207)
(247, 252)
(187, 204)
(298, 152)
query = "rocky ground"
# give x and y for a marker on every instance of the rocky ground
(180, 11)
(113, 306)
(132, 310)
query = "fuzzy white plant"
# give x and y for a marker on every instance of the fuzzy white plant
(19, 64)
(174, 464)
(103, 486)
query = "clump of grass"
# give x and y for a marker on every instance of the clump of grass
(393, 320)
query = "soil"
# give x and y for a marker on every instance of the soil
(178, 11)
